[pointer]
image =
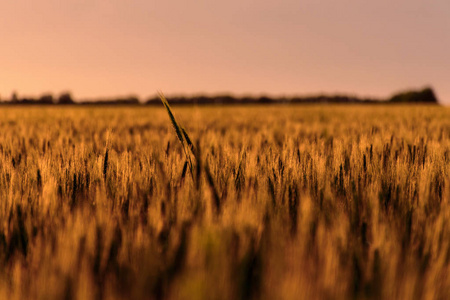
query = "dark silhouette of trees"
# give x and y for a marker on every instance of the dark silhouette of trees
(14, 98)
(424, 96)
(65, 98)
(45, 99)
(131, 100)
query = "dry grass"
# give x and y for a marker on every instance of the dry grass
(284, 202)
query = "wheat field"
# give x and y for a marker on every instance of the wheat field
(274, 202)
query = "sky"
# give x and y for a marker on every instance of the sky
(106, 48)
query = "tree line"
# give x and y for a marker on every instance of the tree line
(425, 95)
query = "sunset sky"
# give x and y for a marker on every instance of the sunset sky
(103, 48)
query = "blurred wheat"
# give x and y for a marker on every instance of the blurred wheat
(285, 202)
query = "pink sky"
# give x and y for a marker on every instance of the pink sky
(108, 48)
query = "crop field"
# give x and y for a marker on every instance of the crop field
(258, 202)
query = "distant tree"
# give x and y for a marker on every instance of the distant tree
(424, 96)
(129, 100)
(65, 98)
(153, 101)
(14, 97)
(45, 99)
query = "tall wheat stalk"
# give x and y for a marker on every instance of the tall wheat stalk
(182, 135)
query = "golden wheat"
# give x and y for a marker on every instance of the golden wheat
(285, 202)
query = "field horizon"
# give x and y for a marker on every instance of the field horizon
(425, 95)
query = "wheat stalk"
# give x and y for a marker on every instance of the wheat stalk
(182, 135)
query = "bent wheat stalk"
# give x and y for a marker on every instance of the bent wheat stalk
(182, 135)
